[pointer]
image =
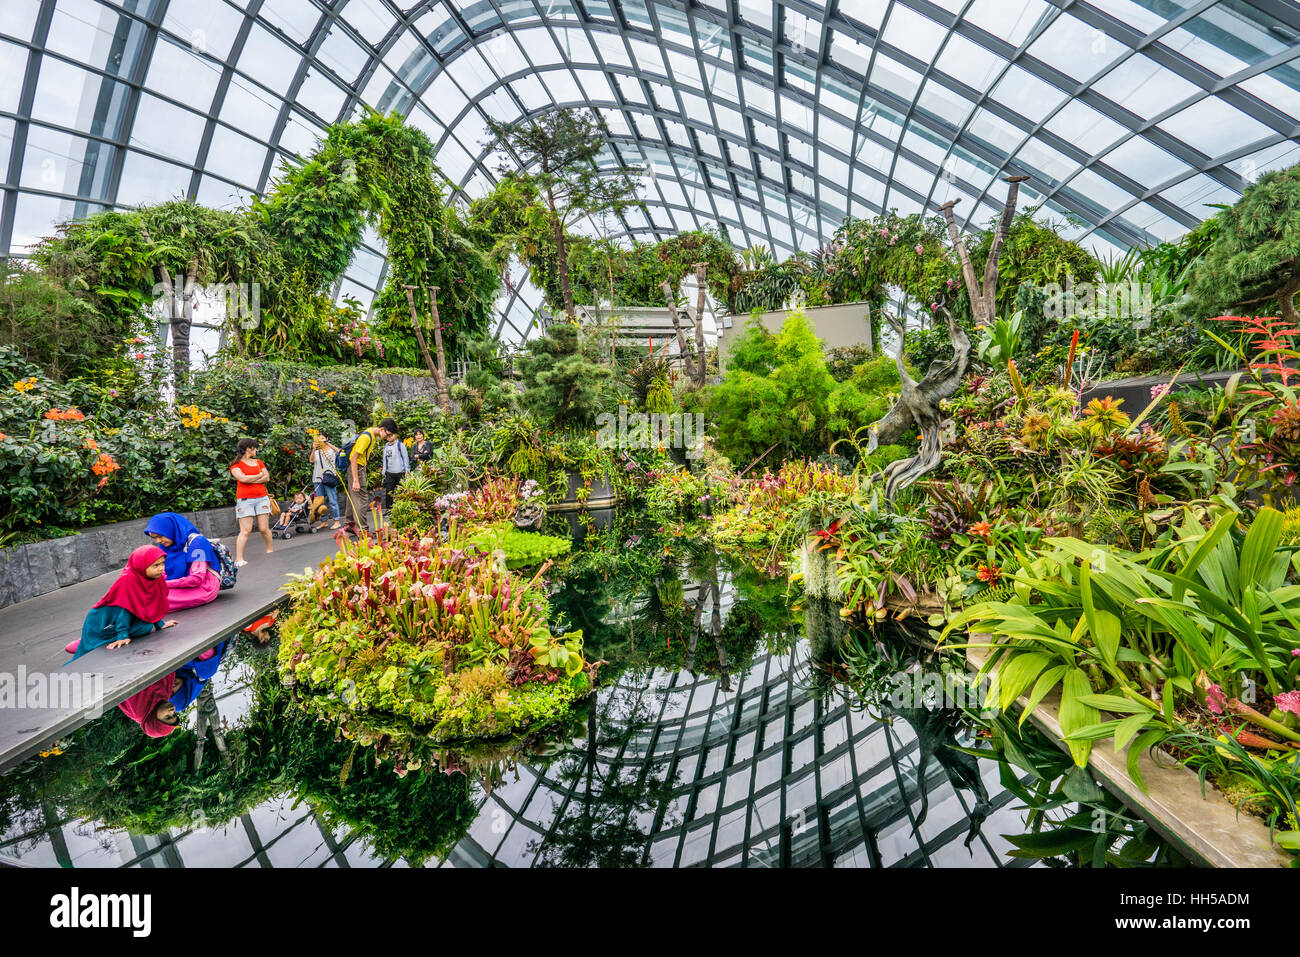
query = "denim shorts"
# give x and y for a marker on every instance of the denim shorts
(250, 507)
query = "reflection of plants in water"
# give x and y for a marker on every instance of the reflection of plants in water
(110, 772)
(1072, 821)
(880, 667)
(414, 816)
(599, 826)
(651, 600)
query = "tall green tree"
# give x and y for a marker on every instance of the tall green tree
(557, 154)
(1254, 259)
(564, 380)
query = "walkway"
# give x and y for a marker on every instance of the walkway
(41, 702)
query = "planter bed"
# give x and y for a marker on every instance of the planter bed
(1200, 823)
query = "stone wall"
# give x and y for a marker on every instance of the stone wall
(30, 570)
(395, 388)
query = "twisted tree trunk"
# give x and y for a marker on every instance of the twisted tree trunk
(682, 343)
(917, 407)
(983, 297)
(701, 270)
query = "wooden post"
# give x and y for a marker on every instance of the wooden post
(444, 395)
(701, 270)
(671, 296)
(419, 332)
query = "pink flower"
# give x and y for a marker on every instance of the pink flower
(919, 249)
(1159, 390)
(1288, 701)
(1215, 699)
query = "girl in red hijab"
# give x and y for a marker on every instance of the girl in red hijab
(133, 607)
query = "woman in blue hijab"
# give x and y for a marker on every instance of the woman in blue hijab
(193, 577)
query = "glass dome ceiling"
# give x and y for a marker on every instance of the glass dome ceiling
(775, 119)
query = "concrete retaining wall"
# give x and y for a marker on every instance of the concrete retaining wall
(27, 571)
(1135, 392)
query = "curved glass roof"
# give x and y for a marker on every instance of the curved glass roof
(776, 119)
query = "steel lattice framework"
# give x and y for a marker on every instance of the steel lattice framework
(774, 119)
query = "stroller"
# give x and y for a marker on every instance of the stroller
(299, 516)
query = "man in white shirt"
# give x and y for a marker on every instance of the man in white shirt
(397, 462)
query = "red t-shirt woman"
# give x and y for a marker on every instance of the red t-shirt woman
(249, 470)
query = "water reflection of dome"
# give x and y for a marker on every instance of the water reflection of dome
(765, 775)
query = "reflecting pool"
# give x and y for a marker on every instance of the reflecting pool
(722, 733)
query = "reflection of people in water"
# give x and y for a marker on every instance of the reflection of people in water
(157, 709)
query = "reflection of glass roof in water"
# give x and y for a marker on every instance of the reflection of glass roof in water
(775, 118)
(762, 775)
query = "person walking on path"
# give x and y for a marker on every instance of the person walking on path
(397, 462)
(357, 490)
(252, 501)
(324, 477)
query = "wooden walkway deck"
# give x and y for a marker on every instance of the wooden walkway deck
(33, 634)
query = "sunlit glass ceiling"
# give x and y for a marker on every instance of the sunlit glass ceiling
(774, 119)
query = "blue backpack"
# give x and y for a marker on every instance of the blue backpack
(227, 572)
(343, 454)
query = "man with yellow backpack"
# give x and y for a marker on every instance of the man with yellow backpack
(351, 463)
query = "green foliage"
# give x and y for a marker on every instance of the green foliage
(1253, 260)
(1034, 254)
(486, 390)
(777, 391)
(565, 383)
(76, 454)
(433, 639)
(379, 170)
(48, 325)
(843, 360)
(558, 173)
(519, 548)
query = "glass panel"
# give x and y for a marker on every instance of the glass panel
(1074, 48)
(58, 162)
(168, 130)
(1214, 127)
(1144, 87)
(209, 28)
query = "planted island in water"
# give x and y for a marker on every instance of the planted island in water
(431, 639)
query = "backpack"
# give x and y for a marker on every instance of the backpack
(343, 454)
(227, 572)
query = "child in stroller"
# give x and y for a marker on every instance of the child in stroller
(293, 515)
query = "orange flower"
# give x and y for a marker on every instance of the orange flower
(982, 529)
(91, 445)
(105, 466)
(65, 415)
(3, 436)
(989, 573)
